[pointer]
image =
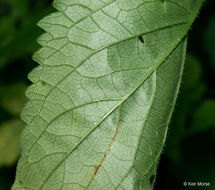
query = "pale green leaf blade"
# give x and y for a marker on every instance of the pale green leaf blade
(103, 94)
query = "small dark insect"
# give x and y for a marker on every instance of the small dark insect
(141, 39)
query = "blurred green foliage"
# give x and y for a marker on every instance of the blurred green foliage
(9, 137)
(12, 99)
(189, 153)
(18, 27)
(209, 40)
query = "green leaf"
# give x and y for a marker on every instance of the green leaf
(18, 28)
(209, 40)
(12, 97)
(204, 117)
(192, 73)
(103, 94)
(9, 141)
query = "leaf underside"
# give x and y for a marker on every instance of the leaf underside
(103, 94)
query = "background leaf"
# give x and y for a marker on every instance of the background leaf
(15, 23)
(204, 117)
(209, 41)
(12, 97)
(9, 142)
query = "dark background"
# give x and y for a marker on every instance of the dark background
(189, 154)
